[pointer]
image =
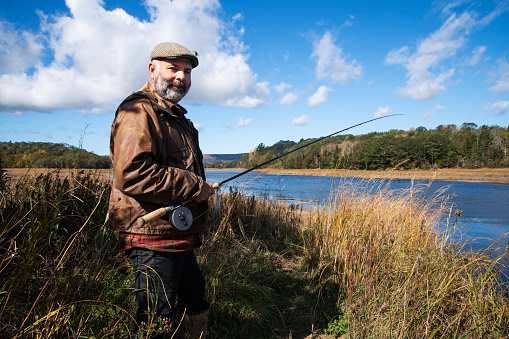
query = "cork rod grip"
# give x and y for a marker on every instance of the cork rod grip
(152, 215)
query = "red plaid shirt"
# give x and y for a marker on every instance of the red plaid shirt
(160, 243)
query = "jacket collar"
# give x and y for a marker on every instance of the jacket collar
(172, 109)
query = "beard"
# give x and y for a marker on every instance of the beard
(172, 91)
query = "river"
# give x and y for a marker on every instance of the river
(484, 206)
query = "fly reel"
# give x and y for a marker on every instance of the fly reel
(180, 217)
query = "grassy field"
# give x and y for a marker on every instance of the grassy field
(369, 264)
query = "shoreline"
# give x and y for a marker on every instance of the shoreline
(486, 175)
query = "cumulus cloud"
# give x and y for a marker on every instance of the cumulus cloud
(282, 87)
(20, 50)
(502, 83)
(289, 99)
(382, 111)
(498, 108)
(320, 96)
(244, 122)
(332, 63)
(303, 120)
(99, 56)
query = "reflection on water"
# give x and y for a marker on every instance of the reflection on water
(484, 217)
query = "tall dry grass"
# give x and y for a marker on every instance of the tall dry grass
(398, 274)
(59, 275)
(370, 263)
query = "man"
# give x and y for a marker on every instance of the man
(157, 162)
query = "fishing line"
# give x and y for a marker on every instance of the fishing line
(217, 185)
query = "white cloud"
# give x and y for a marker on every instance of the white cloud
(99, 56)
(332, 64)
(427, 114)
(289, 99)
(303, 120)
(502, 72)
(244, 122)
(382, 111)
(20, 50)
(477, 54)
(283, 86)
(499, 107)
(198, 126)
(319, 97)
(439, 107)
(442, 44)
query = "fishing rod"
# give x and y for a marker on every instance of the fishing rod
(181, 217)
(217, 185)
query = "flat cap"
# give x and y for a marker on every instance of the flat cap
(172, 50)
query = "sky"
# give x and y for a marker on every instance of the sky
(269, 70)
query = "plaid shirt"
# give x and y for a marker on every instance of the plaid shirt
(160, 243)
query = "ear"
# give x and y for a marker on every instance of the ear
(152, 71)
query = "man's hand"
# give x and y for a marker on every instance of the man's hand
(206, 191)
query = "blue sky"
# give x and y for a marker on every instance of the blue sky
(269, 70)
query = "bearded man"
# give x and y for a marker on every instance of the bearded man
(157, 162)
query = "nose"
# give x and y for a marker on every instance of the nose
(180, 75)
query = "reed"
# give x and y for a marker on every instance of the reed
(59, 275)
(369, 263)
(396, 274)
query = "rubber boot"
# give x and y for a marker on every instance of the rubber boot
(194, 325)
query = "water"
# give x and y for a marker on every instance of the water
(484, 206)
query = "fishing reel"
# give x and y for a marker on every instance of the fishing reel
(179, 216)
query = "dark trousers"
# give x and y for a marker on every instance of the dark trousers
(160, 278)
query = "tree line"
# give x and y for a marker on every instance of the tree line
(446, 146)
(49, 155)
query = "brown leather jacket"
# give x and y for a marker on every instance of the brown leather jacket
(156, 162)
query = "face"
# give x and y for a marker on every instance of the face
(171, 78)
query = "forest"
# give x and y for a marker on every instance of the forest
(49, 155)
(446, 146)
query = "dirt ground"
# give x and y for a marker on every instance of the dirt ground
(491, 175)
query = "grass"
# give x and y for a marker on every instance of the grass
(371, 263)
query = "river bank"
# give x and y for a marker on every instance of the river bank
(488, 175)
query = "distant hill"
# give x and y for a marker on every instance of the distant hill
(213, 158)
(49, 155)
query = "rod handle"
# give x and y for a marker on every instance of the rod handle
(152, 215)
(215, 186)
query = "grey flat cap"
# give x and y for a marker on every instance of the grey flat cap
(172, 50)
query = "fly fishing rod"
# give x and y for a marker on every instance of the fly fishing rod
(217, 185)
(181, 217)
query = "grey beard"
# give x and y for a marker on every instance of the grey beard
(164, 88)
